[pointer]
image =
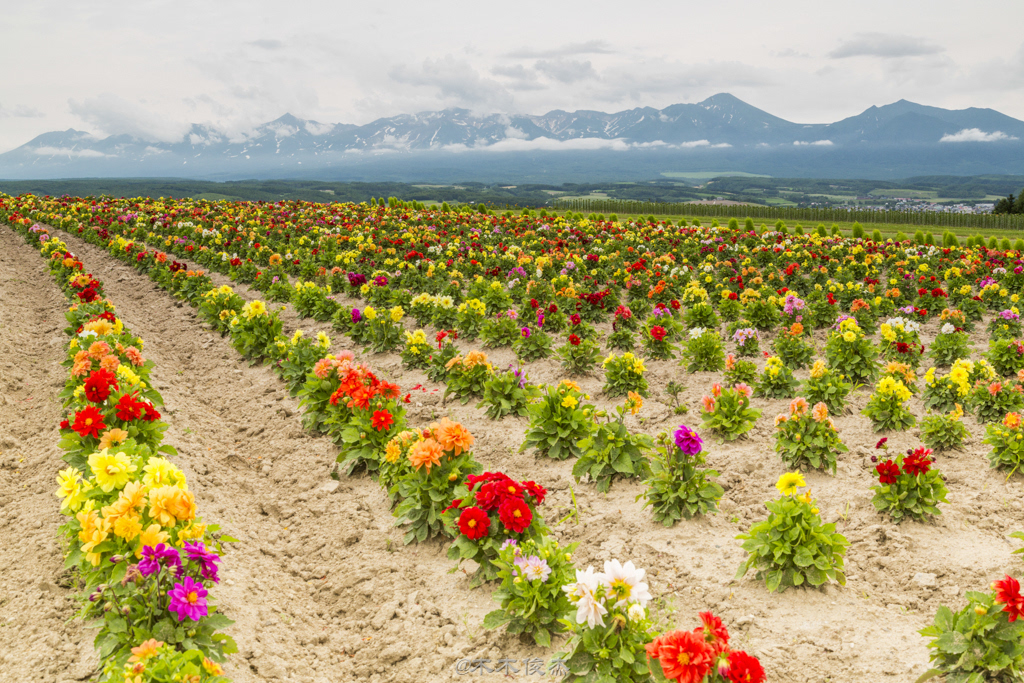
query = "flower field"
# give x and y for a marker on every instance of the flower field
(460, 446)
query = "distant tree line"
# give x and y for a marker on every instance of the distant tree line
(1010, 204)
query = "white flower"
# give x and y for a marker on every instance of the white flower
(636, 612)
(947, 329)
(589, 609)
(626, 583)
(696, 332)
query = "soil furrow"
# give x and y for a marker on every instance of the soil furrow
(37, 640)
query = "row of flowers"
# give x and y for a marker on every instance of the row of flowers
(146, 561)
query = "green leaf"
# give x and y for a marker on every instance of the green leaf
(496, 618)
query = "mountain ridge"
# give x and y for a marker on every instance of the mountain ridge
(739, 132)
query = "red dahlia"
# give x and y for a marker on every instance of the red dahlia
(744, 669)
(382, 419)
(89, 422)
(474, 523)
(128, 408)
(574, 340)
(515, 514)
(888, 471)
(97, 386)
(658, 332)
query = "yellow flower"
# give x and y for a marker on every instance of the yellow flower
(819, 369)
(396, 314)
(160, 472)
(323, 340)
(70, 489)
(111, 470)
(849, 336)
(370, 313)
(128, 527)
(789, 482)
(569, 401)
(253, 309)
(393, 451)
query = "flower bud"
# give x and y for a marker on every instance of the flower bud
(126, 610)
(980, 610)
(115, 559)
(108, 606)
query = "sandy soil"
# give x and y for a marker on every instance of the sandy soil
(322, 588)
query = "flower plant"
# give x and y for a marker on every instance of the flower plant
(492, 509)
(254, 330)
(219, 306)
(793, 547)
(611, 626)
(532, 600)
(611, 450)
(909, 486)
(623, 374)
(807, 437)
(791, 347)
(739, 370)
(559, 421)
(1006, 356)
(416, 351)
(945, 431)
(776, 381)
(579, 356)
(468, 375)
(702, 655)
(727, 411)
(422, 470)
(850, 353)
(532, 344)
(1007, 441)
(825, 385)
(746, 339)
(703, 351)
(887, 406)
(500, 329)
(990, 402)
(508, 393)
(950, 344)
(680, 487)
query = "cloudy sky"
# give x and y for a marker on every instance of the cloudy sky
(151, 67)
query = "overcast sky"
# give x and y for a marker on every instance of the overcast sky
(152, 67)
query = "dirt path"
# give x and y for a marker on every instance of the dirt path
(35, 601)
(323, 590)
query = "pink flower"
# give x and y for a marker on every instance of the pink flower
(188, 599)
(742, 388)
(709, 404)
(798, 406)
(716, 389)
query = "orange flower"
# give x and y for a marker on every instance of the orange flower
(796, 330)
(145, 650)
(709, 404)
(820, 412)
(99, 349)
(110, 362)
(453, 436)
(798, 406)
(858, 304)
(716, 389)
(427, 452)
(1012, 420)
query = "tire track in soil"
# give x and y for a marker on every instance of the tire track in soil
(321, 587)
(37, 640)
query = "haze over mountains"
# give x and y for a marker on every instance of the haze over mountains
(722, 133)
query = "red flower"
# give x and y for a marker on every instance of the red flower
(574, 340)
(658, 332)
(881, 442)
(455, 504)
(382, 419)
(64, 424)
(902, 347)
(887, 472)
(150, 413)
(1008, 593)
(744, 669)
(128, 408)
(488, 496)
(89, 422)
(674, 304)
(553, 308)
(917, 462)
(575, 319)
(713, 631)
(534, 304)
(474, 523)
(683, 655)
(515, 514)
(536, 490)
(97, 386)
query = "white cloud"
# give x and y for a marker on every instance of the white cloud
(884, 45)
(588, 48)
(816, 143)
(976, 135)
(566, 70)
(20, 111)
(314, 128)
(67, 152)
(455, 80)
(515, 133)
(117, 116)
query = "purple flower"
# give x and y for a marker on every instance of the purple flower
(188, 600)
(525, 331)
(356, 279)
(380, 281)
(356, 315)
(540, 319)
(206, 560)
(688, 441)
(155, 557)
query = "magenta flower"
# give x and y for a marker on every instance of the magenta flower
(155, 557)
(356, 315)
(687, 440)
(206, 560)
(188, 600)
(525, 331)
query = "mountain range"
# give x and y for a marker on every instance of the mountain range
(721, 133)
